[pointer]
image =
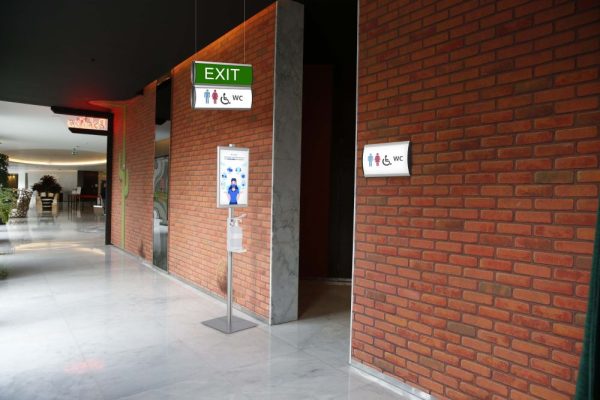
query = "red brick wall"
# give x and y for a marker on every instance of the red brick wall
(134, 118)
(471, 276)
(197, 248)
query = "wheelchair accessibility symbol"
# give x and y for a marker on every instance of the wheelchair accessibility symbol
(225, 100)
(386, 161)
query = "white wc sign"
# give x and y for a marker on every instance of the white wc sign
(221, 98)
(386, 159)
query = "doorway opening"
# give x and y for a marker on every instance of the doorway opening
(57, 158)
(162, 146)
(328, 157)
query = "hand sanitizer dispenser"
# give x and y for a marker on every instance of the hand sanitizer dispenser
(235, 235)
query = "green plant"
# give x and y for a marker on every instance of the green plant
(47, 183)
(3, 170)
(8, 201)
(3, 273)
(124, 179)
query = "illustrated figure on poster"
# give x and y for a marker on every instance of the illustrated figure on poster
(207, 96)
(370, 158)
(377, 159)
(233, 192)
(215, 96)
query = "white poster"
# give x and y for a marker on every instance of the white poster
(220, 98)
(232, 176)
(386, 159)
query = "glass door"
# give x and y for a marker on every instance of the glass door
(162, 145)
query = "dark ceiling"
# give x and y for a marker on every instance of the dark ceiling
(65, 53)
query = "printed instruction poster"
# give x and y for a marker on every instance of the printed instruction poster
(232, 181)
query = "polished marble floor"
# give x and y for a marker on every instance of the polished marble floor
(80, 320)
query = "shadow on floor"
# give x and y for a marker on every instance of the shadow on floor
(319, 298)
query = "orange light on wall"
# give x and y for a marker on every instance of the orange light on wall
(88, 123)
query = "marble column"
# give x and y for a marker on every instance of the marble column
(287, 135)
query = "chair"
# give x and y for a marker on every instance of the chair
(48, 200)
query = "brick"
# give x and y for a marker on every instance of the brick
(553, 204)
(575, 105)
(515, 203)
(495, 264)
(431, 363)
(576, 77)
(496, 215)
(533, 243)
(533, 85)
(576, 133)
(537, 324)
(513, 280)
(538, 111)
(554, 149)
(546, 393)
(550, 368)
(513, 254)
(532, 296)
(554, 121)
(515, 152)
(533, 216)
(552, 313)
(510, 355)
(576, 191)
(575, 219)
(514, 229)
(574, 247)
(495, 289)
(576, 162)
(492, 386)
(589, 146)
(554, 177)
(563, 260)
(532, 270)
(513, 381)
(570, 303)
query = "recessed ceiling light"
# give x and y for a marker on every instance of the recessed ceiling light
(57, 163)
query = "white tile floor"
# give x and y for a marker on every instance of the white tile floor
(80, 320)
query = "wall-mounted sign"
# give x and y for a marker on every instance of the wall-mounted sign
(232, 176)
(221, 97)
(386, 159)
(89, 123)
(221, 86)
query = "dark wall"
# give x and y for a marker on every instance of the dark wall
(317, 122)
(88, 180)
(330, 39)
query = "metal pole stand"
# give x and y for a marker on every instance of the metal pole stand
(229, 323)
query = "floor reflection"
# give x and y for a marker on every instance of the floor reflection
(81, 320)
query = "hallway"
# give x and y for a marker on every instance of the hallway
(80, 320)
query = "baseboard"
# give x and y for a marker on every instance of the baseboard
(393, 384)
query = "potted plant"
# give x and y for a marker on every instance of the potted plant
(8, 201)
(48, 190)
(47, 184)
(3, 170)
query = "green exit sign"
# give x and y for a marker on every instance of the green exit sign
(208, 73)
